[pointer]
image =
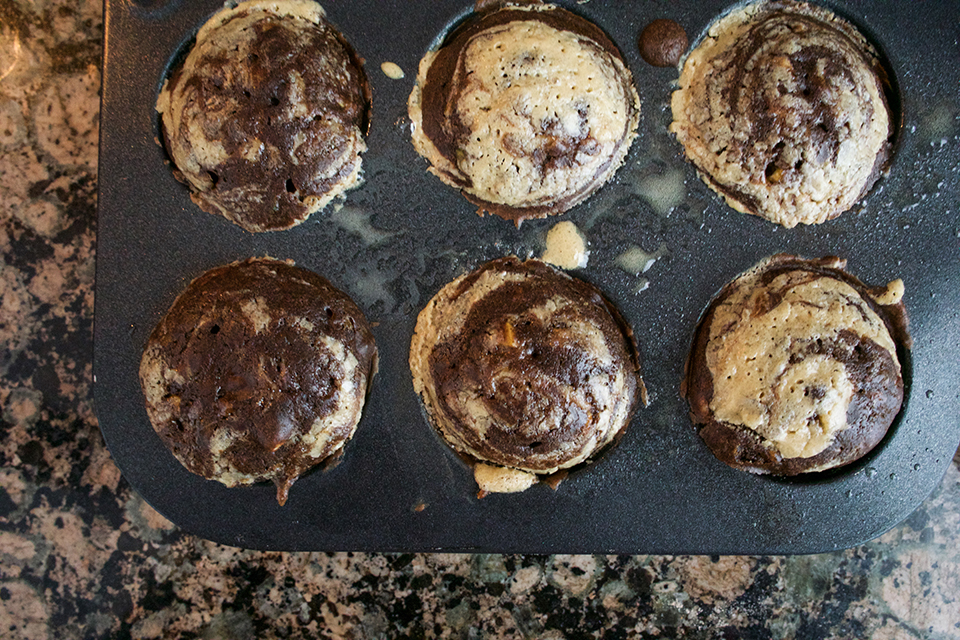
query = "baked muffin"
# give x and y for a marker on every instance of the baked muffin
(265, 119)
(527, 109)
(259, 371)
(524, 371)
(794, 367)
(782, 109)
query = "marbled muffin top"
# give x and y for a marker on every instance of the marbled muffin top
(265, 119)
(258, 371)
(782, 109)
(800, 358)
(522, 366)
(526, 109)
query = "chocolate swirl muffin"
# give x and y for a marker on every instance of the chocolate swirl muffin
(524, 371)
(259, 371)
(526, 109)
(782, 109)
(265, 119)
(794, 367)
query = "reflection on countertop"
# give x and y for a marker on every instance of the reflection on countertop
(82, 556)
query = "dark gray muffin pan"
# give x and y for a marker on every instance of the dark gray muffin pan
(402, 235)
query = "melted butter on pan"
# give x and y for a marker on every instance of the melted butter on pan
(636, 261)
(357, 222)
(664, 191)
(939, 124)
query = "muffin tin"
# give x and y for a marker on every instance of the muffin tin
(662, 244)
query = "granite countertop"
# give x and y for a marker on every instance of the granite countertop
(83, 556)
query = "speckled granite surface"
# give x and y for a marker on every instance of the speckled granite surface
(82, 556)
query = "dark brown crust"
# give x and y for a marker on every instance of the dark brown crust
(875, 405)
(268, 386)
(537, 359)
(438, 93)
(269, 195)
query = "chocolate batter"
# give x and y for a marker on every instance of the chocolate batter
(662, 43)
